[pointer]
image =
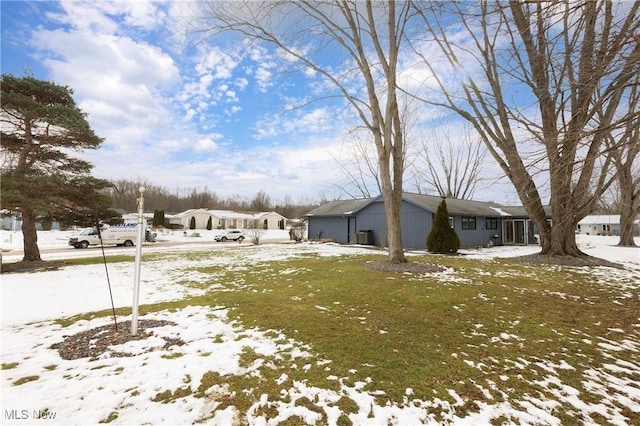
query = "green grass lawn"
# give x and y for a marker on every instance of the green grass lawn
(483, 331)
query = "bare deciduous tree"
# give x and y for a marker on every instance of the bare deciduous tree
(452, 167)
(359, 166)
(538, 78)
(367, 36)
(625, 150)
(261, 202)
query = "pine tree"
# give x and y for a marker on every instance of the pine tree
(158, 218)
(209, 224)
(41, 125)
(192, 223)
(442, 238)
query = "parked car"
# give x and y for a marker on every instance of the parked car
(230, 234)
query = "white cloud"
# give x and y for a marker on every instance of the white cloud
(169, 145)
(233, 110)
(143, 14)
(189, 114)
(105, 17)
(217, 63)
(206, 144)
(264, 76)
(241, 83)
(231, 96)
(84, 16)
(299, 121)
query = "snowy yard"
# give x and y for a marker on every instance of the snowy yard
(198, 381)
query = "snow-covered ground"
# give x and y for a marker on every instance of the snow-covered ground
(77, 392)
(50, 242)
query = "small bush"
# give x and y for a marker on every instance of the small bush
(255, 231)
(442, 238)
(298, 231)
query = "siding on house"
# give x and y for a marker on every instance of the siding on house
(273, 220)
(335, 220)
(335, 228)
(415, 223)
(478, 236)
(184, 218)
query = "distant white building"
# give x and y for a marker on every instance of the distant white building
(226, 219)
(608, 224)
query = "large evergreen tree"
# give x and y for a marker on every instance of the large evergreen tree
(442, 238)
(41, 125)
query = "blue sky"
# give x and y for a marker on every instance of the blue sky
(181, 114)
(173, 113)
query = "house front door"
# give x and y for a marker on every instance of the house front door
(352, 237)
(514, 231)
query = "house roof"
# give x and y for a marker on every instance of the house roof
(340, 207)
(456, 206)
(225, 214)
(601, 219)
(520, 211)
(427, 202)
(189, 212)
(231, 214)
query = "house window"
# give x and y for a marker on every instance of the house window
(491, 223)
(468, 222)
(451, 221)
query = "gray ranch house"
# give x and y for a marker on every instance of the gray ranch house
(477, 223)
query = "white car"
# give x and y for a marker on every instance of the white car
(230, 234)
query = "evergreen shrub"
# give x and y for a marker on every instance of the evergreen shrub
(442, 238)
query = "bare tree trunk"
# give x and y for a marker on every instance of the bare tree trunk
(394, 230)
(626, 155)
(629, 208)
(562, 240)
(30, 237)
(627, 228)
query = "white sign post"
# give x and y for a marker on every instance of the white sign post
(136, 275)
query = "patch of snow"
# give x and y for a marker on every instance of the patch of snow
(500, 211)
(86, 392)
